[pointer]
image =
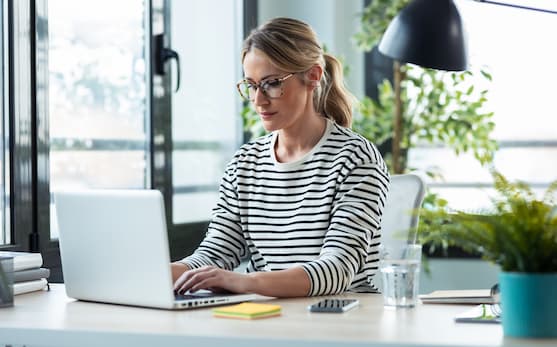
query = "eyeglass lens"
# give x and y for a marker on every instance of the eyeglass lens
(271, 89)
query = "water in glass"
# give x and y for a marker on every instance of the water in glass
(400, 280)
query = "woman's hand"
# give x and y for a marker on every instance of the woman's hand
(213, 279)
(293, 282)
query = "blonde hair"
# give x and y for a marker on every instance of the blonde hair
(292, 45)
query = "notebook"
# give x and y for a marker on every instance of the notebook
(114, 249)
(480, 314)
(468, 296)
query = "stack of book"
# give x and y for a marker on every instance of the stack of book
(28, 274)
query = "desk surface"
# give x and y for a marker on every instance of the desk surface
(51, 318)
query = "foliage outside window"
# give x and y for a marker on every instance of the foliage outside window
(438, 106)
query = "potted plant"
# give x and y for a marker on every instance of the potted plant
(519, 233)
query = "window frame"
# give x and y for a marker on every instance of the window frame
(29, 139)
(20, 120)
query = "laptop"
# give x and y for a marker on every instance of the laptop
(114, 249)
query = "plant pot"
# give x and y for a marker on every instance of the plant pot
(529, 304)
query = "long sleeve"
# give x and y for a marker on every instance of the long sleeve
(224, 244)
(350, 240)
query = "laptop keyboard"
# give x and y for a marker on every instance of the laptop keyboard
(191, 296)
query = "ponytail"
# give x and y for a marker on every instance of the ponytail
(334, 101)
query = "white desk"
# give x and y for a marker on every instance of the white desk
(52, 319)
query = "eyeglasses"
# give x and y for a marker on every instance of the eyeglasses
(272, 88)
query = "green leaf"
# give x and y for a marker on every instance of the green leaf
(486, 75)
(507, 234)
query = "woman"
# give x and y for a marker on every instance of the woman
(305, 201)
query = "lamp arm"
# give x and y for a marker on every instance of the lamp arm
(517, 6)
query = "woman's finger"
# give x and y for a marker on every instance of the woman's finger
(195, 277)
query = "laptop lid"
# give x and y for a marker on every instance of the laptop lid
(114, 249)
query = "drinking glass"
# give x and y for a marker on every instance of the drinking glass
(399, 265)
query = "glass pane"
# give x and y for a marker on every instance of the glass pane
(4, 154)
(534, 166)
(97, 97)
(522, 93)
(197, 167)
(473, 199)
(205, 112)
(115, 169)
(521, 96)
(194, 206)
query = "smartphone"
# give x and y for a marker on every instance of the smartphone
(333, 305)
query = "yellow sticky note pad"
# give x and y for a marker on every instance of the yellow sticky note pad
(248, 310)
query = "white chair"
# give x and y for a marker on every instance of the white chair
(400, 216)
(400, 219)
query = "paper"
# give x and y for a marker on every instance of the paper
(30, 286)
(24, 260)
(248, 310)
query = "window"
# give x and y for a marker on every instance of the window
(517, 53)
(206, 125)
(98, 102)
(91, 109)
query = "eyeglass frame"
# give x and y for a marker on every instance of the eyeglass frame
(261, 84)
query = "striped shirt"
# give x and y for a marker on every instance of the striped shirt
(321, 212)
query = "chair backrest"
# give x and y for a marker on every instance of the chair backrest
(405, 197)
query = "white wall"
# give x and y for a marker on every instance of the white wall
(334, 21)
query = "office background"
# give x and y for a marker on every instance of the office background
(85, 104)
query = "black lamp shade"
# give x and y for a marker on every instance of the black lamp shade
(428, 33)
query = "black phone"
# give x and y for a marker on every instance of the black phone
(333, 305)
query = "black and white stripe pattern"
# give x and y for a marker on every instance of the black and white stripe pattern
(322, 212)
